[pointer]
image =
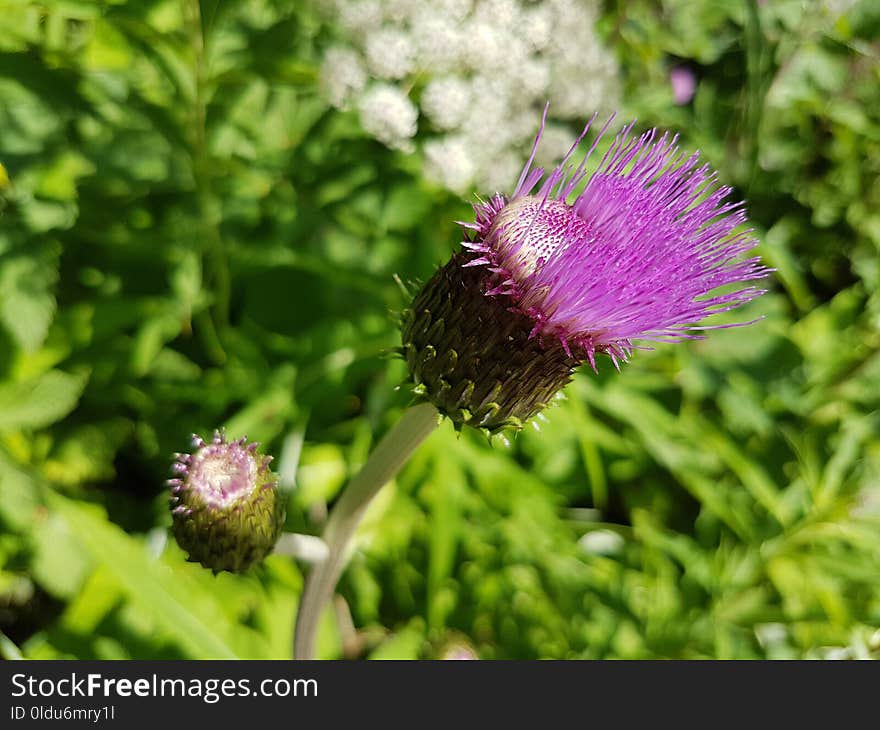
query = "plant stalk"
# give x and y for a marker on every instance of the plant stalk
(386, 460)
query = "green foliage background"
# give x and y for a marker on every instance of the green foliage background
(190, 238)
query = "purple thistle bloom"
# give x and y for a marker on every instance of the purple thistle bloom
(634, 256)
(550, 277)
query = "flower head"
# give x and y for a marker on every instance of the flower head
(634, 256)
(226, 510)
(637, 255)
(684, 84)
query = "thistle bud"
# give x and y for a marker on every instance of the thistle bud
(549, 279)
(471, 354)
(226, 511)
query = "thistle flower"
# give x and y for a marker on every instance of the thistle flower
(225, 507)
(549, 278)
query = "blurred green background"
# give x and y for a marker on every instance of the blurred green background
(191, 237)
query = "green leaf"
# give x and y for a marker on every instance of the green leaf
(59, 564)
(170, 595)
(27, 303)
(18, 499)
(405, 644)
(40, 401)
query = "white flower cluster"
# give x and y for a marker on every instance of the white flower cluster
(475, 74)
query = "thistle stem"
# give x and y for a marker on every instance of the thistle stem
(386, 460)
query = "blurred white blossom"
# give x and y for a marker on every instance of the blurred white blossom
(456, 10)
(342, 76)
(555, 142)
(446, 101)
(437, 40)
(448, 160)
(502, 173)
(478, 72)
(389, 116)
(390, 53)
(539, 21)
(487, 47)
(504, 13)
(358, 15)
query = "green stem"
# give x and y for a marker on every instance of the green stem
(756, 54)
(386, 460)
(214, 249)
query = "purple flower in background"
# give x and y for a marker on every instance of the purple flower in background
(684, 84)
(632, 257)
(550, 277)
(459, 652)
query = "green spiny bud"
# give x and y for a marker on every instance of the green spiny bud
(226, 511)
(474, 357)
